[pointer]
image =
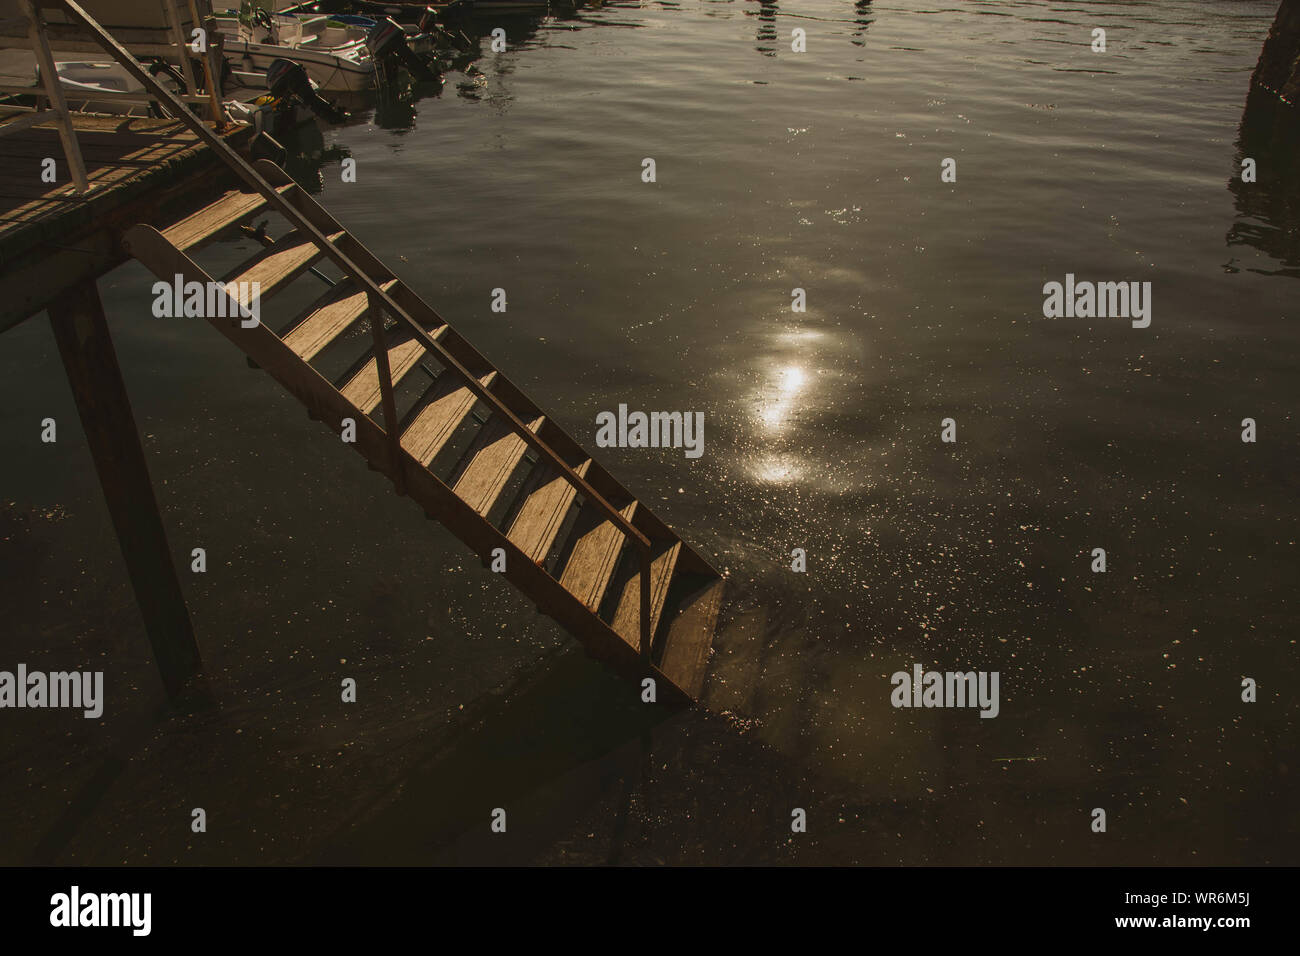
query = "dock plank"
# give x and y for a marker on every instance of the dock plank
(141, 169)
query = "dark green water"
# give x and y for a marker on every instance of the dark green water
(775, 170)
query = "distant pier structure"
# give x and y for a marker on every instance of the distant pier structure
(82, 193)
(1275, 85)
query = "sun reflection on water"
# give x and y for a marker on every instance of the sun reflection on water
(778, 469)
(775, 411)
(777, 407)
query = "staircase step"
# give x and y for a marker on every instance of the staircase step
(627, 616)
(597, 543)
(447, 404)
(685, 655)
(492, 458)
(327, 318)
(280, 263)
(235, 206)
(404, 352)
(547, 497)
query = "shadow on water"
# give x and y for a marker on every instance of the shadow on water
(571, 718)
(587, 773)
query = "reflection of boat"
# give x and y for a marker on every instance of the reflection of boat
(506, 6)
(400, 11)
(333, 53)
(413, 11)
(484, 7)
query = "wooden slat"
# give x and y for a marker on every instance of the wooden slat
(685, 654)
(337, 310)
(595, 553)
(627, 616)
(100, 147)
(363, 390)
(278, 264)
(37, 199)
(112, 125)
(233, 207)
(492, 458)
(547, 498)
(447, 404)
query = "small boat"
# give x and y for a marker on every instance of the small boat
(82, 81)
(333, 53)
(417, 41)
(341, 53)
(88, 87)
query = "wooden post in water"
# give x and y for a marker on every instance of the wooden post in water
(1278, 70)
(81, 331)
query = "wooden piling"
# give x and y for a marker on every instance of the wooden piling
(1278, 70)
(81, 331)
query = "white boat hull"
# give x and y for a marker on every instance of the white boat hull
(330, 72)
(333, 54)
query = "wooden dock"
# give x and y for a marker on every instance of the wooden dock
(141, 170)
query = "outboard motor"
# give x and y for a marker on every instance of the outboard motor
(287, 79)
(387, 41)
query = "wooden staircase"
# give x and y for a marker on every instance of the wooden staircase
(460, 439)
(447, 427)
